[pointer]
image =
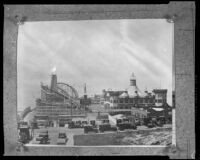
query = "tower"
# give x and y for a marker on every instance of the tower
(133, 90)
(133, 80)
(85, 92)
(53, 82)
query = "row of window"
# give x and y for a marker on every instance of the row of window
(54, 107)
(132, 101)
(159, 100)
(66, 110)
(58, 107)
(60, 113)
(122, 107)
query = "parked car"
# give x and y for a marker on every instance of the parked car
(93, 122)
(107, 127)
(74, 125)
(62, 139)
(126, 125)
(84, 123)
(137, 122)
(119, 121)
(90, 128)
(23, 138)
(43, 137)
(78, 124)
(151, 124)
(105, 121)
(159, 123)
(44, 140)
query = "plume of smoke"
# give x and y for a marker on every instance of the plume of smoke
(53, 70)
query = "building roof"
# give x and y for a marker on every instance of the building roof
(134, 91)
(114, 93)
(159, 90)
(124, 95)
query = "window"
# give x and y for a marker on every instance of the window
(136, 101)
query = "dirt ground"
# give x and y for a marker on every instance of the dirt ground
(145, 137)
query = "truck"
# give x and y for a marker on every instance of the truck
(24, 132)
(107, 127)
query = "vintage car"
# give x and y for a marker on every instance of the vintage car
(23, 138)
(107, 127)
(74, 124)
(93, 122)
(151, 124)
(137, 122)
(90, 128)
(84, 123)
(126, 125)
(159, 123)
(43, 137)
(62, 139)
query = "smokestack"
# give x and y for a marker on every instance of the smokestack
(85, 92)
(53, 82)
(53, 79)
(85, 89)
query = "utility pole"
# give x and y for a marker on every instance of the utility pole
(71, 103)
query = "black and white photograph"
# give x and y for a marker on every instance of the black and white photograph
(95, 83)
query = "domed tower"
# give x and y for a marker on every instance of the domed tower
(133, 90)
(133, 80)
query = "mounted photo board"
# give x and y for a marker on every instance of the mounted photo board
(182, 17)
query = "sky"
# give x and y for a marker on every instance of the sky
(101, 53)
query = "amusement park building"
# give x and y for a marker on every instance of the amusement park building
(58, 104)
(125, 101)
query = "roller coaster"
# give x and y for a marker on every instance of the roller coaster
(65, 91)
(68, 92)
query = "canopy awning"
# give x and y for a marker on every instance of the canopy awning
(158, 109)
